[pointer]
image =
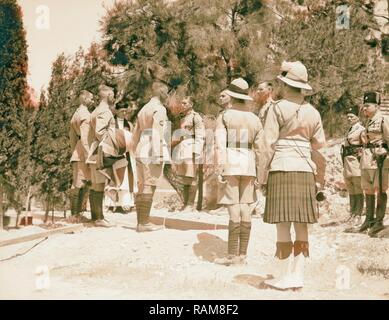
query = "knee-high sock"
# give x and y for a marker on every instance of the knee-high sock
(233, 237)
(245, 229)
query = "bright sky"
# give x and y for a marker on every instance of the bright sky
(72, 23)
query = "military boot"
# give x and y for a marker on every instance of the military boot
(380, 215)
(370, 208)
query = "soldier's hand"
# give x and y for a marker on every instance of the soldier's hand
(221, 179)
(263, 189)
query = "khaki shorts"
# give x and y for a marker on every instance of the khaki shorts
(96, 176)
(148, 174)
(186, 169)
(81, 173)
(370, 180)
(353, 185)
(237, 190)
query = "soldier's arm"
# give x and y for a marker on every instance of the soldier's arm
(136, 136)
(258, 144)
(199, 134)
(385, 129)
(102, 125)
(73, 138)
(318, 139)
(220, 144)
(159, 122)
(270, 137)
(84, 134)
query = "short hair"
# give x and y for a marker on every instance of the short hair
(85, 93)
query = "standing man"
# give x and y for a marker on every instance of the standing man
(374, 165)
(102, 121)
(150, 152)
(263, 98)
(189, 143)
(351, 155)
(238, 138)
(224, 100)
(79, 144)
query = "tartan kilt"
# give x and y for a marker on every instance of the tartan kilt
(291, 197)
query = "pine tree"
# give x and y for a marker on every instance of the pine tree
(51, 148)
(13, 99)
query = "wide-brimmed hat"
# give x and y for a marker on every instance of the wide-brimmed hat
(372, 97)
(294, 74)
(239, 89)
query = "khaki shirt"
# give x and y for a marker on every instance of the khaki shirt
(291, 132)
(240, 129)
(149, 141)
(102, 124)
(351, 164)
(263, 111)
(79, 134)
(376, 132)
(191, 133)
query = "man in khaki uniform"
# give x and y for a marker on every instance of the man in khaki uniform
(351, 153)
(263, 97)
(375, 140)
(150, 151)
(224, 100)
(102, 121)
(79, 144)
(188, 144)
(238, 138)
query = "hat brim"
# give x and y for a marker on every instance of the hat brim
(294, 83)
(238, 95)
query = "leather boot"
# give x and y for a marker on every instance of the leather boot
(244, 237)
(143, 207)
(370, 208)
(74, 199)
(285, 279)
(380, 215)
(233, 242)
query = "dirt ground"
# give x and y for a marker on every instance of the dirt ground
(119, 263)
(177, 263)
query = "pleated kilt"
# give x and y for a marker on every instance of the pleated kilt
(291, 197)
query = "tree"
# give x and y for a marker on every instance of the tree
(14, 97)
(194, 48)
(341, 64)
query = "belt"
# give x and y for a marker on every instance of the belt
(376, 145)
(293, 143)
(238, 144)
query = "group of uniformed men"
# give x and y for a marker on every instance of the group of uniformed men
(365, 163)
(101, 150)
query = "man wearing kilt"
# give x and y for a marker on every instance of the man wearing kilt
(374, 163)
(351, 155)
(293, 129)
(238, 137)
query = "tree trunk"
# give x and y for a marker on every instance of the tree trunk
(47, 209)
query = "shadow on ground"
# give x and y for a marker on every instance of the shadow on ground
(210, 247)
